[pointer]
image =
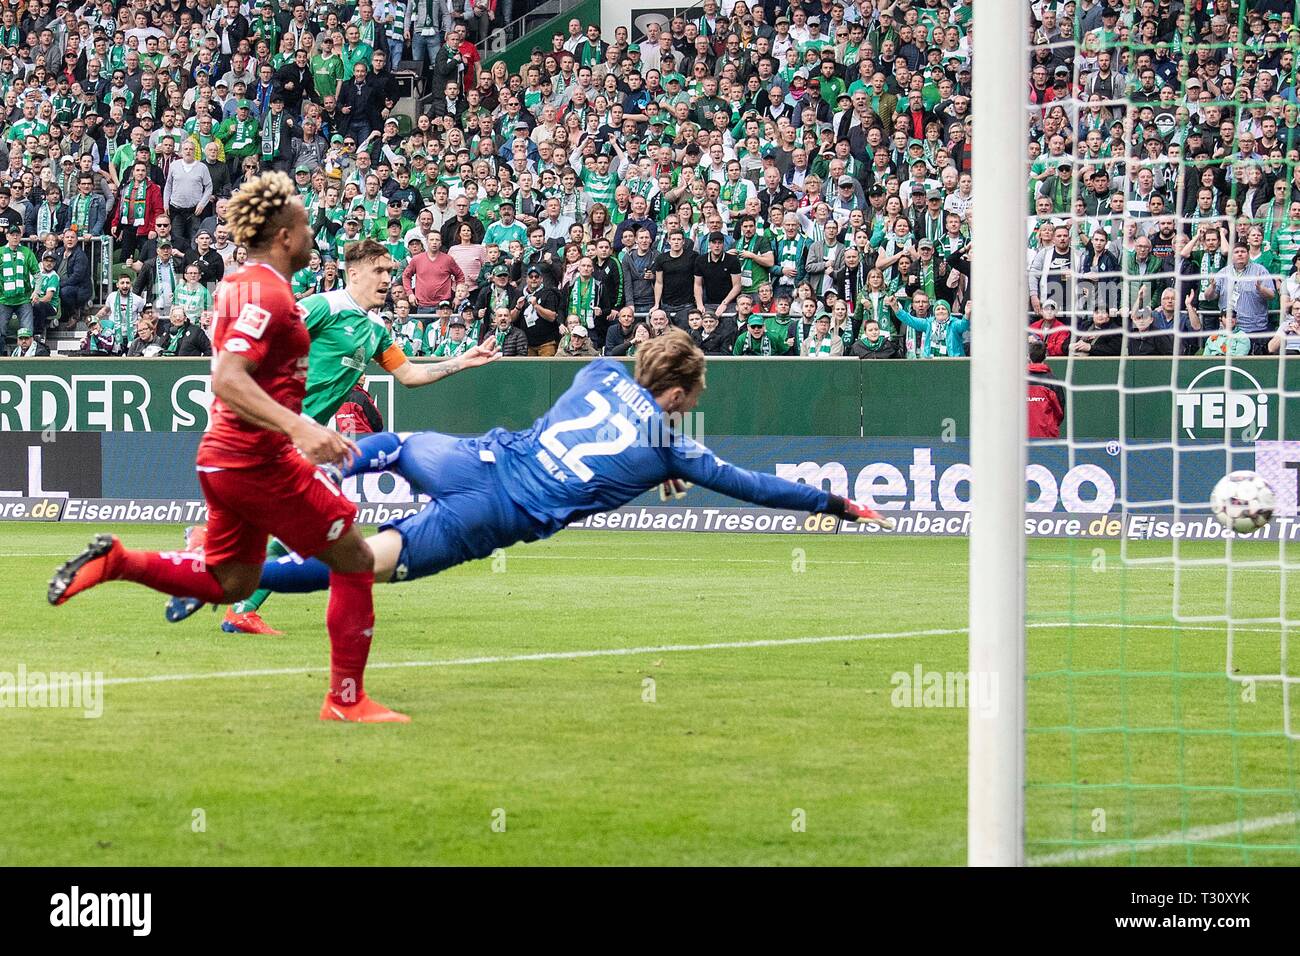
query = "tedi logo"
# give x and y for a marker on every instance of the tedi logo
(1218, 398)
(102, 909)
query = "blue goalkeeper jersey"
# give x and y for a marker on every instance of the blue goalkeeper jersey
(605, 442)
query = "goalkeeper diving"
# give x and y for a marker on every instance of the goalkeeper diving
(604, 442)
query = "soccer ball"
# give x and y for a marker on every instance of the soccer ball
(1242, 501)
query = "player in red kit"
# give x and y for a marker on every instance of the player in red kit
(257, 461)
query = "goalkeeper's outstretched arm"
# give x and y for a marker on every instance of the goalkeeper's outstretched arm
(691, 461)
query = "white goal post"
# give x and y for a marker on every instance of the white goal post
(996, 762)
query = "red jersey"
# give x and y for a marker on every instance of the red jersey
(1046, 403)
(258, 318)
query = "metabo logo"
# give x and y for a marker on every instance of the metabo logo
(1223, 397)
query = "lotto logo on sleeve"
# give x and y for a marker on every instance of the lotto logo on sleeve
(252, 320)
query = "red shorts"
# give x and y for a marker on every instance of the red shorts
(288, 498)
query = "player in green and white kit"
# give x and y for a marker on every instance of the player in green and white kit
(346, 335)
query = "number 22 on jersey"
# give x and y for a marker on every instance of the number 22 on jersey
(601, 418)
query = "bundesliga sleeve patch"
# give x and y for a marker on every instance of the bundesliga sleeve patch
(252, 320)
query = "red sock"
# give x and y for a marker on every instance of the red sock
(350, 620)
(178, 573)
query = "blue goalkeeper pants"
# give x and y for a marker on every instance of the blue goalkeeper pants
(469, 517)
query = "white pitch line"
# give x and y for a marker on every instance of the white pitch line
(626, 651)
(541, 656)
(1174, 838)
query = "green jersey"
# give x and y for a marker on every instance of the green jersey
(1286, 241)
(326, 74)
(487, 209)
(45, 282)
(21, 129)
(303, 281)
(450, 349)
(241, 137)
(503, 235)
(194, 301)
(410, 336)
(18, 269)
(354, 55)
(600, 188)
(344, 338)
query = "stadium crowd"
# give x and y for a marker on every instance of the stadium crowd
(778, 178)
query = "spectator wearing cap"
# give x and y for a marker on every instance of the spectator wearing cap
(18, 271)
(457, 341)
(717, 277)
(848, 197)
(437, 329)
(46, 306)
(212, 268)
(536, 309)
(240, 134)
(160, 277)
(942, 333)
(29, 346)
(48, 216)
(756, 340)
(927, 219)
(277, 133)
(1049, 330)
(576, 343)
(9, 216)
(185, 337)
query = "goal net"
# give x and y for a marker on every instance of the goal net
(1162, 224)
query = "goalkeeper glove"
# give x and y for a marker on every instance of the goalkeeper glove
(850, 510)
(673, 489)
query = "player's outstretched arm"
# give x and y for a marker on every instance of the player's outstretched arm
(693, 462)
(235, 387)
(376, 452)
(412, 375)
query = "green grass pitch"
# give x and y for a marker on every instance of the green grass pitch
(777, 753)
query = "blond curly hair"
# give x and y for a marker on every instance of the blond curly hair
(669, 360)
(255, 207)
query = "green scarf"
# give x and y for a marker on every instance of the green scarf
(81, 213)
(820, 348)
(136, 196)
(752, 275)
(271, 135)
(582, 301)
